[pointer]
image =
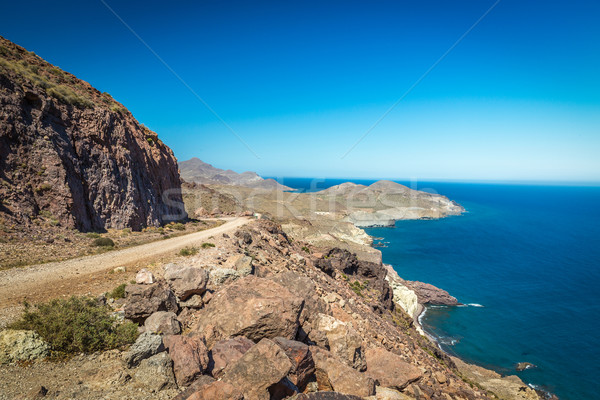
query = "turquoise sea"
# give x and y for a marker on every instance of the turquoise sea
(527, 259)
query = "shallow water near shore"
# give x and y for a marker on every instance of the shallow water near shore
(527, 260)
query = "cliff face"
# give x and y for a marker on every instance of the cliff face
(74, 155)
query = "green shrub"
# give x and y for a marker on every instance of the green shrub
(103, 242)
(178, 226)
(66, 95)
(207, 245)
(306, 249)
(118, 292)
(188, 251)
(92, 235)
(76, 325)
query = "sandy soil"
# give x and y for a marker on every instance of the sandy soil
(92, 274)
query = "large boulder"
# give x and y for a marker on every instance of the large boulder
(146, 345)
(163, 322)
(252, 307)
(141, 301)
(195, 386)
(155, 373)
(303, 366)
(342, 340)
(226, 352)
(189, 355)
(334, 375)
(260, 368)
(390, 370)
(186, 281)
(144, 277)
(21, 345)
(217, 390)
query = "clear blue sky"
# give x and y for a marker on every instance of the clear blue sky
(301, 82)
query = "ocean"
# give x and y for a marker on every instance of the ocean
(527, 261)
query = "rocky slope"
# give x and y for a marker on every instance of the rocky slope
(73, 156)
(195, 170)
(260, 316)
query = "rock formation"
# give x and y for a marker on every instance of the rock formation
(73, 156)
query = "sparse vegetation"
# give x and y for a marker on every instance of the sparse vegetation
(207, 245)
(177, 226)
(68, 96)
(118, 292)
(188, 251)
(76, 325)
(306, 249)
(103, 242)
(93, 235)
(358, 288)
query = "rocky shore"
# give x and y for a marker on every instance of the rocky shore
(261, 316)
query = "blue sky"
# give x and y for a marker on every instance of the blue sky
(301, 82)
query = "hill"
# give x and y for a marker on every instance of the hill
(196, 170)
(73, 157)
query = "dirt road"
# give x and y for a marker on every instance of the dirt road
(89, 274)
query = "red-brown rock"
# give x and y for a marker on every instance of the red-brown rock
(390, 370)
(226, 352)
(189, 355)
(303, 366)
(333, 374)
(217, 390)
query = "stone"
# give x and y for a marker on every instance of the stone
(252, 307)
(429, 294)
(217, 390)
(218, 276)
(440, 377)
(141, 301)
(261, 367)
(383, 393)
(186, 281)
(38, 392)
(146, 345)
(202, 381)
(226, 352)
(119, 270)
(144, 277)
(522, 366)
(325, 396)
(163, 322)
(390, 370)
(155, 373)
(195, 302)
(303, 366)
(342, 340)
(21, 345)
(240, 263)
(189, 355)
(334, 375)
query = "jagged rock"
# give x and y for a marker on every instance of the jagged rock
(303, 366)
(101, 168)
(333, 374)
(403, 296)
(218, 276)
(226, 352)
(189, 355)
(144, 277)
(245, 237)
(342, 340)
(186, 281)
(383, 393)
(163, 322)
(141, 301)
(195, 302)
(195, 386)
(156, 373)
(217, 390)
(324, 396)
(21, 345)
(240, 263)
(261, 367)
(390, 370)
(522, 366)
(429, 294)
(253, 307)
(146, 345)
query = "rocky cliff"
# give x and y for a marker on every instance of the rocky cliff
(75, 157)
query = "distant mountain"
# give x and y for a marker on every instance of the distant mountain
(196, 170)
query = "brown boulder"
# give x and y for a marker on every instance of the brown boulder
(202, 380)
(342, 340)
(226, 352)
(189, 355)
(261, 367)
(252, 307)
(303, 366)
(390, 370)
(164, 322)
(217, 390)
(333, 374)
(186, 281)
(141, 301)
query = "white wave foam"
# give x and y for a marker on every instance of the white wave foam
(474, 305)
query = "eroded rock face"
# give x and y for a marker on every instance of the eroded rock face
(83, 158)
(141, 301)
(390, 370)
(261, 367)
(252, 307)
(189, 355)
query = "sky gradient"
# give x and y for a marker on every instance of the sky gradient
(301, 82)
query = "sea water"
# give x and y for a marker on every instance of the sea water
(526, 260)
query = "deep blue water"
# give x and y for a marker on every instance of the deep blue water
(531, 256)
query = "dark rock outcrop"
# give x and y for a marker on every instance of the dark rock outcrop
(75, 155)
(429, 294)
